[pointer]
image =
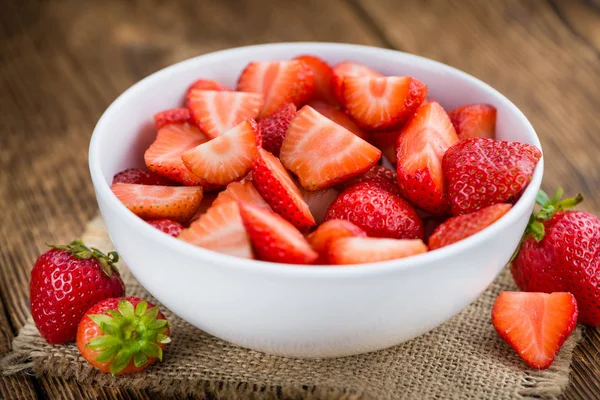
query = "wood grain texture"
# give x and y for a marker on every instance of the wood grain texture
(63, 62)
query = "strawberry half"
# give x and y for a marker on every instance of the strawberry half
(170, 227)
(178, 203)
(164, 155)
(329, 231)
(348, 69)
(273, 127)
(220, 229)
(386, 142)
(215, 112)
(361, 250)
(322, 153)
(279, 82)
(279, 190)
(172, 116)
(142, 176)
(382, 103)
(480, 172)
(226, 158)
(275, 239)
(535, 325)
(421, 146)
(474, 120)
(339, 117)
(241, 191)
(461, 227)
(206, 84)
(323, 78)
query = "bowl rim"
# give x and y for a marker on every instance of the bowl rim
(102, 188)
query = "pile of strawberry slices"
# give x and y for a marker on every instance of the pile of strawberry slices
(287, 167)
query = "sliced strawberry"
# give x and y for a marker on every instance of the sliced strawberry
(361, 250)
(275, 239)
(386, 142)
(142, 176)
(322, 153)
(382, 103)
(421, 147)
(329, 231)
(339, 117)
(319, 201)
(164, 155)
(215, 112)
(273, 127)
(226, 158)
(276, 186)
(172, 116)
(382, 176)
(241, 191)
(178, 203)
(220, 229)
(534, 324)
(463, 226)
(474, 120)
(279, 82)
(207, 84)
(348, 69)
(323, 78)
(168, 226)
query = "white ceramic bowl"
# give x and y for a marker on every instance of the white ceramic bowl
(302, 311)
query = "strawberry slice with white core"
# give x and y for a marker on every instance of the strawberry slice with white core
(226, 158)
(535, 325)
(220, 229)
(474, 120)
(276, 186)
(178, 203)
(164, 155)
(339, 117)
(361, 250)
(275, 239)
(323, 78)
(216, 112)
(322, 153)
(421, 147)
(279, 82)
(329, 231)
(382, 103)
(241, 191)
(349, 69)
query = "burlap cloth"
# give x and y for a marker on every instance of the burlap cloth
(462, 359)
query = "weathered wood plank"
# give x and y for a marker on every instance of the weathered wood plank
(62, 63)
(544, 57)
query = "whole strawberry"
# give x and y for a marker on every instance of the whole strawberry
(480, 172)
(65, 282)
(377, 211)
(560, 252)
(123, 335)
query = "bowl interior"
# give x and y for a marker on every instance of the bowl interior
(126, 129)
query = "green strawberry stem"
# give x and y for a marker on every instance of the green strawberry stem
(129, 333)
(78, 249)
(549, 207)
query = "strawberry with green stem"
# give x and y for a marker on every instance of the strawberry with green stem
(123, 335)
(560, 252)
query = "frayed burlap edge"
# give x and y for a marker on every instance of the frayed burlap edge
(26, 357)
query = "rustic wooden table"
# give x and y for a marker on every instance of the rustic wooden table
(63, 62)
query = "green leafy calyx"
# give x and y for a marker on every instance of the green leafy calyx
(549, 207)
(129, 333)
(78, 249)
